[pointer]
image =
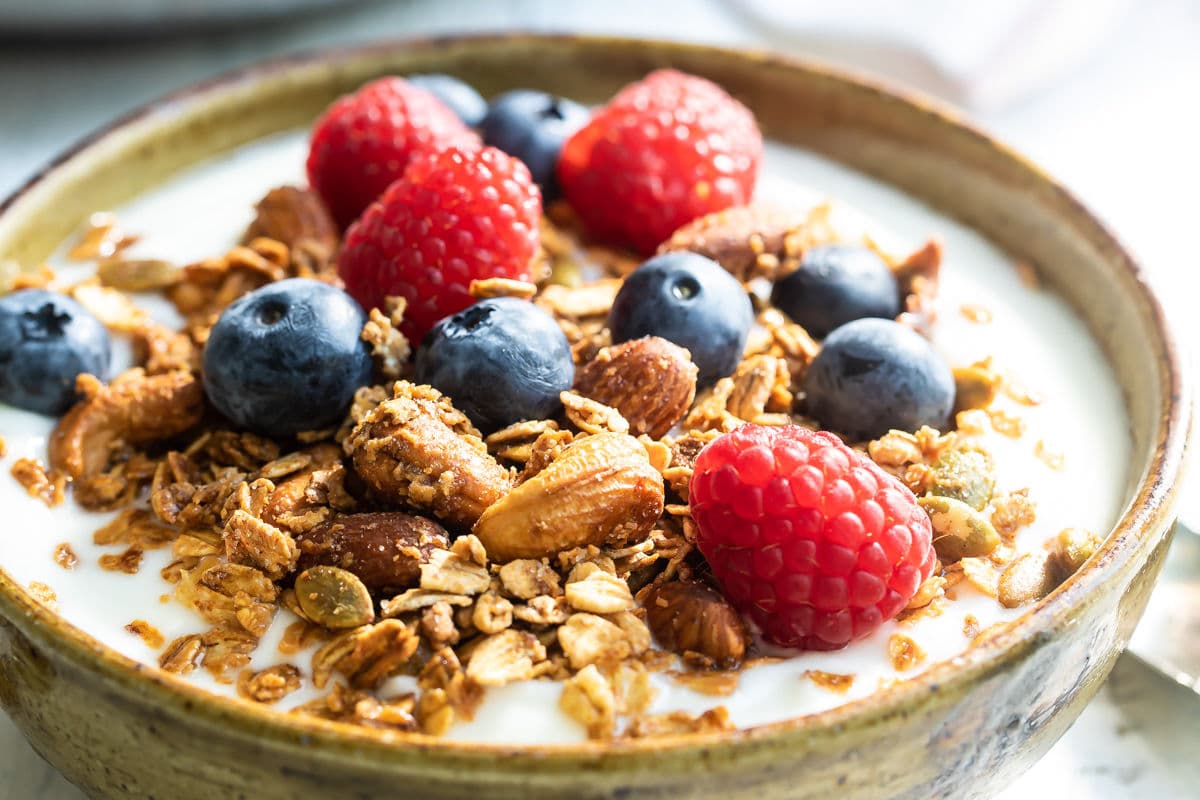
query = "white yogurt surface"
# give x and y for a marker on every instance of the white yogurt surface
(203, 211)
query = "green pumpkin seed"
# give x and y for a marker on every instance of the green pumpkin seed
(1027, 580)
(334, 598)
(1072, 547)
(959, 531)
(974, 387)
(964, 475)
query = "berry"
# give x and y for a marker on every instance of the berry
(666, 150)
(807, 538)
(690, 300)
(459, 97)
(837, 284)
(287, 357)
(533, 127)
(456, 216)
(46, 341)
(364, 142)
(875, 375)
(500, 361)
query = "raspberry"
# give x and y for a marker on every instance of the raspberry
(455, 216)
(807, 537)
(364, 142)
(666, 150)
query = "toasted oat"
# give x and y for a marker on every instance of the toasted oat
(146, 632)
(832, 681)
(137, 274)
(1009, 425)
(300, 635)
(100, 239)
(361, 708)
(542, 610)
(367, 656)
(980, 315)
(437, 625)
(526, 578)
(182, 655)
(599, 593)
(588, 698)
(269, 685)
(592, 417)
(42, 593)
(501, 287)
(1012, 512)
(504, 657)
(65, 557)
(249, 540)
(674, 723)
(492, 613)
(903, 652)
(389, 346)
(515, 443)
(589, 300)
(128, 561)
(47, 486)
(981, 573)
(446, 571)
(760, 385)
(448, 693)
(1053, 459)
(111, 307)
(416, 599)
(590, 639)
(716, 683)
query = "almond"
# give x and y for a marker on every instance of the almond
(292, 215)
(691, 617)
(134, 409)
(384, 550)
(600, 490)
(651, 381)
(750, 241)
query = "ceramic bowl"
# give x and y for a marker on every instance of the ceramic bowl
(964, 728)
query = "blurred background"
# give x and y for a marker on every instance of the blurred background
(1103, 93)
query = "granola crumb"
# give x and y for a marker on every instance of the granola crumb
(832, 681)
(65, 557)
(48, 486)
(971, 626)
(1007, 424)
(128, 561)
(980, 315)
(3, 447)
(715, 720)
(147, 633)
(43, 594)
(1012, 512)
(716, 683)
(269, 685)
(1053, 459)
(903, 652)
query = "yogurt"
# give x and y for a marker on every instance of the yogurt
(203, 211)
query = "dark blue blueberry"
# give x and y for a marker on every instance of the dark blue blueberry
(500, 361)
(837, 284)
(461, 97)
(533, 126)
(287, 358)
(689, 300)
(873, 375)
(46, 340)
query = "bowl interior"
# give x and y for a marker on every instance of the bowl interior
(903, 141)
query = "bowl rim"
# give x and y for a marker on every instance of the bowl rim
(1149, 507)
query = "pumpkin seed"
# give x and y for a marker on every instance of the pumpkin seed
(965, 475)
(959, 531)
(137, 275)
(334, 598)
(974, 387)
(1028, 579)
(1072, 547)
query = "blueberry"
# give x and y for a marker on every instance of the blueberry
(500, 361)
(873, 375)
(690, 300)
(46, 340)
(460, 97)
(533, 126)
(287, 357)
(837, 284)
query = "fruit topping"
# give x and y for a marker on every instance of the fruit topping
(364, 142)
(455, 217)
(875, 375)
(499, 361)
(666, 150)
(689, 300)
(287, 357)
(836, 284)
(533, 127)
(459, 97)
(46, 340)
(807, 537)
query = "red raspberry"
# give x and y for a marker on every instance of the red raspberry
(807, 537)
(364, 141)
(455, 216)
(664, 151)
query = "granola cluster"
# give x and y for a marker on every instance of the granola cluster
(406, 543)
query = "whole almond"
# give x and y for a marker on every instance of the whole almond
(746, 240)
(292, 215)
(688, 616)
(384, 550)
(600, 490)
(651, 381)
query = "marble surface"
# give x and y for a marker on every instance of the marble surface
(1121, 129)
